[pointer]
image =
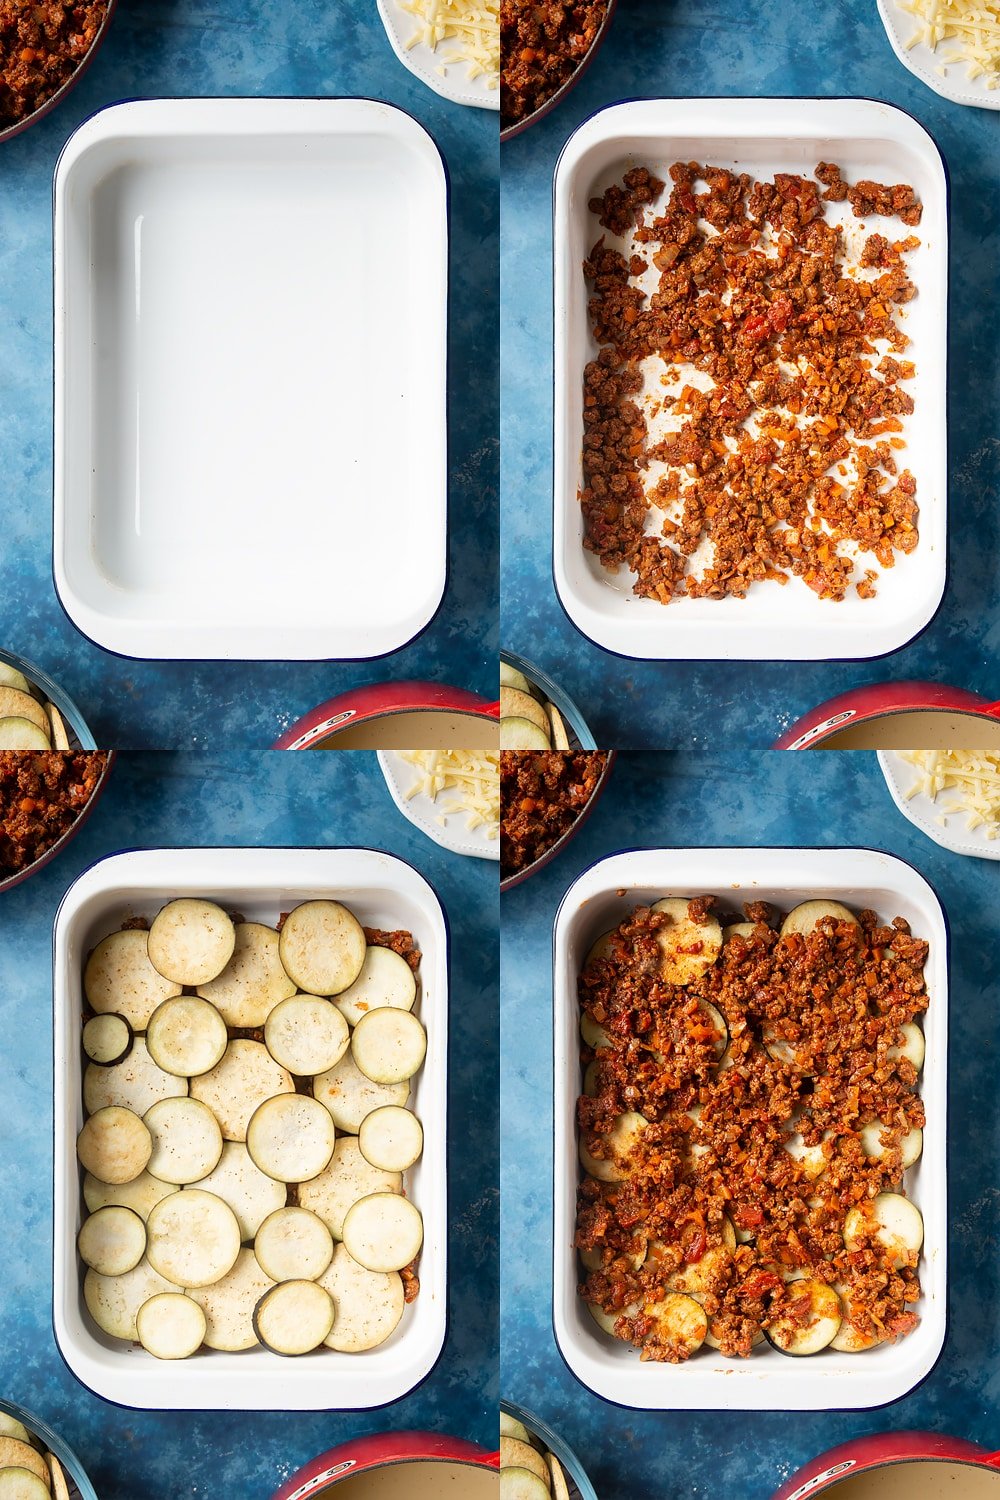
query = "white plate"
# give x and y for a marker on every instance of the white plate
(250, 427)
(867, 139)
(452, 81)
(261, 883)
(923, 62)
(767, 1381)
(923, 811)
(452, 831)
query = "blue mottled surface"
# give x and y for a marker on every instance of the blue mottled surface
(730, 47)
(182, 47)
(685, 799)
(235, 799)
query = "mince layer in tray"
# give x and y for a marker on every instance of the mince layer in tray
(743, 417)
(749, 1111)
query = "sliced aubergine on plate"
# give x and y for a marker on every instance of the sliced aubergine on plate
(294, 1317)
(806, 917)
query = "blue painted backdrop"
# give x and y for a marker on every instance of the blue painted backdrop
(732, 47)
(180, 799)
(180, 47)
(686, 799)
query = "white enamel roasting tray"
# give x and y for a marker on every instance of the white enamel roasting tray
(382, 891)
(250, 360)
(759, 136)
(768, 1380)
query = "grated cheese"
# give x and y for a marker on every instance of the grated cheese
(975, 778)
(472, 25)
(473, 777)
(973, 25)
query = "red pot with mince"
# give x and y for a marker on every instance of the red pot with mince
(398, 1466)
(398, 716)
(898, 716)
(899, 1466)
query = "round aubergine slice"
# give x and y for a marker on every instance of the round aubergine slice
(107, 1039)
(815, 1323)
(322, 947)
(191, 941)
(688, 947)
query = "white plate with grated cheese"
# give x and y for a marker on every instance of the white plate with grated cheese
(453, 46)
(967, 787)
(965, 56)
(453, 796)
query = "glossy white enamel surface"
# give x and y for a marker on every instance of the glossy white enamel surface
(767, 1381)
(760, 136)
(250, 352)
(260, 883)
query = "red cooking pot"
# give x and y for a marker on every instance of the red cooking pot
(398, 1466)
(398, 716)
(898, 716)
(900, 1466)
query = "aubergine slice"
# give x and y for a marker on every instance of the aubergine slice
(687, 947)
(680, 1321)
(17, 1455)
(383, 1232)
(307, 1035)
(516, 1453)
(186, 1036)
(806, 917)
(911, 1046)
(389, 1045)
(191, 941)
(107, 1039)
(349, 1095)
(18, 733)
(136, 1083)
(295, 1317)
(114, 1145)
(893, 1222)
(171, 1325)
(873, 1143)
(19, 1483)
(391, 1138)
(560, 1489)
(719, 1026)
(193, 1238)
(138, 1195)
(293, 1244)
(114, 1301)
(187, 1141)
(60, 1489)
(112, 1241)
(236, 1087)
(850, 1338)
(522, 1484)
(291, 1137)
(815, 1323)
(322, 947)
(619, 1142)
